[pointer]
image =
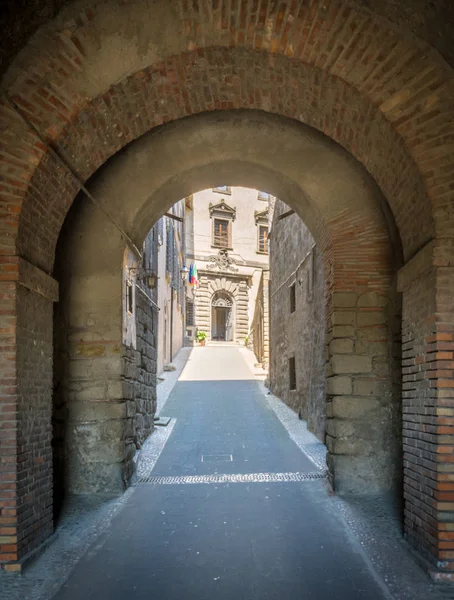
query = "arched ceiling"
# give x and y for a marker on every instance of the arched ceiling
(430, 20)
(102, 73)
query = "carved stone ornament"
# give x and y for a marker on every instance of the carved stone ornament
(223, 300)
(222, 262)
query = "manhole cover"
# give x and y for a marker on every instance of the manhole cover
(216, 458)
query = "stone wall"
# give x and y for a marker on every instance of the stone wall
(294, 260)
(105, 359)
(139, 383)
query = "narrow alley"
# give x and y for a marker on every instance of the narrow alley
(229, 507)
(266, 532)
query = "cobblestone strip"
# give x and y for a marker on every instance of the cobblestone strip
(235, 478)
(152, 449)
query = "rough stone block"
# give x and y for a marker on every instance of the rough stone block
(97, 411)
(362, 474)
(344, 299)
(344, 317)
(341, 346)
(339, 385)
(351, 363)
(371, 348)
(372, 333)
(366, 319)
(365, 387)
(381, 366)
(343, 331)
(339, 428)
(354, 407)
(372, 299)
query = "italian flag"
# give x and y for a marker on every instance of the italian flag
(193, 276)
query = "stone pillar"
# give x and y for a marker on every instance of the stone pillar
(242, 315)
(95, 385)
(363, 406)
(26, 518)
(106, 381)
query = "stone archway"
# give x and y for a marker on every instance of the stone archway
(151, 182)
(88, 86)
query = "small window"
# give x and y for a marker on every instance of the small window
(129, 298)
(263, 239)
(189, 313)
(292, 373)
(222, 189)
(293, 298)
(263, 196)
(221, 233)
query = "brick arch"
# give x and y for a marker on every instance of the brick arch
(368, 98)
(83, 139)
(389, 104)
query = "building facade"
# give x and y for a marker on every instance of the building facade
(227, 239)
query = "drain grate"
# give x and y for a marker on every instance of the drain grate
(235, 478)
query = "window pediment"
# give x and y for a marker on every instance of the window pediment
(223, 210)
(261, 216)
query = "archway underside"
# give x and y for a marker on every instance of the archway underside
(389, 105)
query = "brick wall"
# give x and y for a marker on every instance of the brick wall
(428, 408)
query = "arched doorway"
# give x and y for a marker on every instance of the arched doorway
(222, 317)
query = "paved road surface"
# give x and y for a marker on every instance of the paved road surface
(206, 540)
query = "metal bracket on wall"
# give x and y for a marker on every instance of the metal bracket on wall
(286, 214)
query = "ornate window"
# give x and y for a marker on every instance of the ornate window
(223, 216)
(221, 233)
(261, 221)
